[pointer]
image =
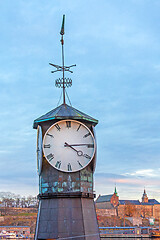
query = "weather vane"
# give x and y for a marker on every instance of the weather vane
(63, 82)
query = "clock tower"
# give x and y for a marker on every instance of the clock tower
(66, 158)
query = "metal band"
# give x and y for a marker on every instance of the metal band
(66, 195)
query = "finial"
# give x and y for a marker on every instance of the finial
(63, 82)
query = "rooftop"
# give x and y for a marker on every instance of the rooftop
(64, 111)
(104, 198)
(151, 202)
(124, 202)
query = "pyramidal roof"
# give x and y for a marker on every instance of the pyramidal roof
(64, 111)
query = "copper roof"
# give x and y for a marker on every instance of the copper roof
(64, 111)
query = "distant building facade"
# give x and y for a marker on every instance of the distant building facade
(108, 201)
(129, 208)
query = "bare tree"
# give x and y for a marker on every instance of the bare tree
(130, 209)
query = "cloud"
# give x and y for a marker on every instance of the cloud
(145, 173)
(129, 186)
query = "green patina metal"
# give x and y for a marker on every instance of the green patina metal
(64, 111)
(44, 185)
(90, 178)
(115, 191)
(54, 190)
(44, 190)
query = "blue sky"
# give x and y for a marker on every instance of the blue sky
(116, 47)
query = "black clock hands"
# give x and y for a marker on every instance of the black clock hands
(83, 144)
(79, 153)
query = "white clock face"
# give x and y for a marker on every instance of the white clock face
(69, 145)
(39, 149)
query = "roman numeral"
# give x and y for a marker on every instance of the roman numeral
(50, 135)
(58, 127)
(50, 157)
(69, 167)
(86, 156)
(58, 164)
(86, 135)
(47, 146)
(79, 127)
(80, 164)
(90, 145)
(68, 124)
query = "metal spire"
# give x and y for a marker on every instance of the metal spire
(63, 82)
(115, 190)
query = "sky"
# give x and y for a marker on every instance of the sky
(115, 45)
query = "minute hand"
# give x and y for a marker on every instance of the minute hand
(83, 144)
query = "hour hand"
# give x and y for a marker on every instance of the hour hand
(79, 153)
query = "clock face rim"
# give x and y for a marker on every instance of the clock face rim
(78, 122)
(39, 149)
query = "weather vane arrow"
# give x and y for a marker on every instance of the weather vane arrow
(63, 82)
(62, 28)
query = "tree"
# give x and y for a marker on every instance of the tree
(130, 209)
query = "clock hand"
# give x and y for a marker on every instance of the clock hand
(79, 153)
(81, 144)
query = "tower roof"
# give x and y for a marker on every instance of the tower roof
(144, 193)
(115, 191)
(64, 111)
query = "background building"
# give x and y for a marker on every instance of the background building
(129, 208)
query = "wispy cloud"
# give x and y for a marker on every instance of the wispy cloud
(116, 81)
(145, 173)
(129, 186)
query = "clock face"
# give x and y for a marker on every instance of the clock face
(39, 149)
(69, 145)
